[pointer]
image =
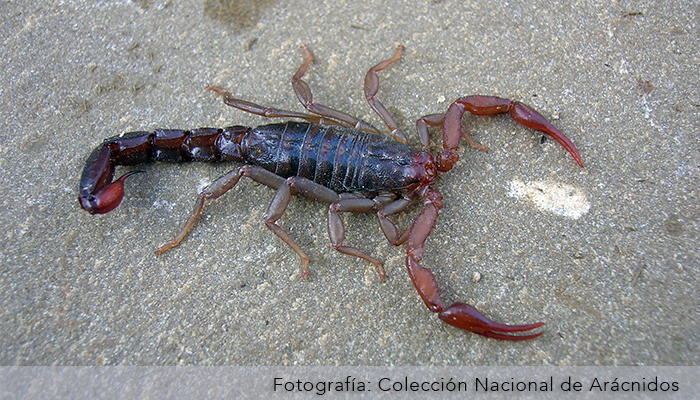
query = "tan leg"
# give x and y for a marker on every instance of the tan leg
(371, 89)
(306, 99)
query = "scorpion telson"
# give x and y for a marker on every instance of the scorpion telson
(331, 157)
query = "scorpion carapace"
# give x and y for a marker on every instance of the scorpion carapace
(331, 157)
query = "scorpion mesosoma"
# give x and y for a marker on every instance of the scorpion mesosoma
(331, 157)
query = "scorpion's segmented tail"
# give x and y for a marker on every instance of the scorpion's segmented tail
(99, 195)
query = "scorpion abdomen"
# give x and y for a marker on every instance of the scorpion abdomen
(341, 159)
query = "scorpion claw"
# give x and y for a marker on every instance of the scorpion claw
(108, 198)
(526, 116)
(465, 316)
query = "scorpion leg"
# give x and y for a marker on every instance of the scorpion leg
(356, 202)
(268, 112)
(306, 188)
(488, 105)
(388, 227)
(301, 89)
(371, 89)
(217, 188)
(460, 315)
(349, 202)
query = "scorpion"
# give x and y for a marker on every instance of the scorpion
(331, 157)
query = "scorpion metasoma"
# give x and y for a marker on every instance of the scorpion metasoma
(331, 157)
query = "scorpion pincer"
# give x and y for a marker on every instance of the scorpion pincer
(330, 157)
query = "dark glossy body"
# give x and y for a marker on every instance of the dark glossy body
(341, 159)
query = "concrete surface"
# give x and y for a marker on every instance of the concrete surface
(617, 286)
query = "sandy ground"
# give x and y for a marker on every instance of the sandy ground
(607, 256)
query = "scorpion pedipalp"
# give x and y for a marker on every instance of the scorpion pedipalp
(459, 315)
(489, 105)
